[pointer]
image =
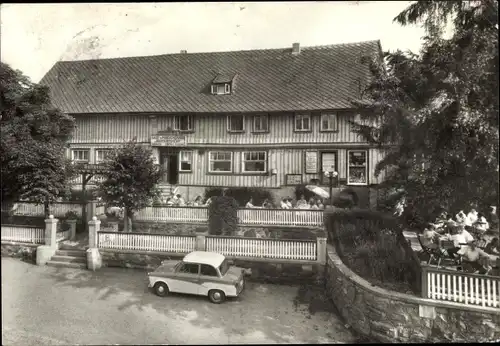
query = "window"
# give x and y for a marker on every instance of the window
(221, 89)
(80, 155)
(357, 167)
(220, 161)
(189, 268)
(329, 122)
(183, 123)
(302, 122)
(186, 161)
(328, 164)
(235, 123)
(261, 123)
(208, 270)
(101, 155)
(254, 161)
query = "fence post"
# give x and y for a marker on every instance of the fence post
(94, 227)
(424, 280)
(45, 252)
(50, 231)
(72, 229)
(321, 250)
(201, 242)
(94, 259)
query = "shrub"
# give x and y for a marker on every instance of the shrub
(242, 194)
(223, 216)
(79, 195)
(71, 215)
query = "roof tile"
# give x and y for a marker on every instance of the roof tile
(321, 77)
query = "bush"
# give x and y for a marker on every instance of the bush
(373, 246)
(78, 195)
(71, 215)
(223, 216)
(242, 194)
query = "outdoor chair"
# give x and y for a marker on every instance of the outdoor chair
(434, 254)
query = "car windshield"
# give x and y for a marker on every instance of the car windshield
(224, 267)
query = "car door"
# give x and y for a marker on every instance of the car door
(187, 278)
(208, 276)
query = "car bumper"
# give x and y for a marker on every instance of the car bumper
(240, 288)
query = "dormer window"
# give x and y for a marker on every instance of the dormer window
(221, 89)
(223, 84)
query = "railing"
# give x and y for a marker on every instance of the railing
(256, 216)
(461, 287)
(295, 217)
(145, 242)
(23, 234)
(56, 209)
(263, 248)
(181, 214)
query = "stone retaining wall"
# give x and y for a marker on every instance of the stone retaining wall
(25, 251)
(388, 316)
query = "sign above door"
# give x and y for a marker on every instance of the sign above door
(168, 139)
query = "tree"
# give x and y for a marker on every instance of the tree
(33, 137)
(130, 180)
(437, 112)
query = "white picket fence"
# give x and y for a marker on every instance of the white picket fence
(263, 248)
(255, 216)
(23, 234)
(145, 242)
(56, 209)
(460, 287)
(294, 217)
(180, 214)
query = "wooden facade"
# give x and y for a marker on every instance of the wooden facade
(285, 148)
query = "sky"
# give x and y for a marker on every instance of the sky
(35, 36)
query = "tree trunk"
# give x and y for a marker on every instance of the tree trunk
(127, 220)
(46, 208)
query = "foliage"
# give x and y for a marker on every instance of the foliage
(372, 244)
(131, 179)
(71, 215)
(436, 113)
(33, 136)
(223, 216)
(79, 195)
(243, 194)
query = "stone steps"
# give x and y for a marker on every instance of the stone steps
(67, 264)
(69, 259)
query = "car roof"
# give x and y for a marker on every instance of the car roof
(204, 257)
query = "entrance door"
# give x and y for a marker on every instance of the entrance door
(173, 169)
(328, 164)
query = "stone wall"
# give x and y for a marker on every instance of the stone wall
(260, 270)
(389, 316)
(25, 251)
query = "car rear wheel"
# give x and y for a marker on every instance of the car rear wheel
(216, 296)
(161, 289)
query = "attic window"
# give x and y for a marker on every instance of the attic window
(221, 89)
(222, 84)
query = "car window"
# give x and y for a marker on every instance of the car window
(208, 270)
(224, 267)
(190, 268)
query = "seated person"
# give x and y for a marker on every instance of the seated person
(197, 201)
(430, 236)
(266, 204)
(250, 204)
(493, 247)
(474, 257)
(458, 238)
(481, 224)
(319, 204)
(301, 203)
(284, 204)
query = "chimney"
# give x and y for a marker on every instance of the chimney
(296, 48)
(184, 51)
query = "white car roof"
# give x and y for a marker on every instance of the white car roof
(204, 257)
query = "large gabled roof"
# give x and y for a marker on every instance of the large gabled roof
(321, 77)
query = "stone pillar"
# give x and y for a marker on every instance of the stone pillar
(200, 244)
(423, 281)
(94, 259)
(321, 250)
(50, 231)
(94, 227)
(45, 252)
(72, 229)
(91, 210)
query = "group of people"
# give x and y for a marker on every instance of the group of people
(288, 203)
(179, 201)
(464, 231)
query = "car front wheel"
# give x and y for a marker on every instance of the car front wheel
(216, 296)
(161, 289)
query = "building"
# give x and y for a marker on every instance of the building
(270, 118)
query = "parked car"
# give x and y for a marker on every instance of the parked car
(200, 273)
